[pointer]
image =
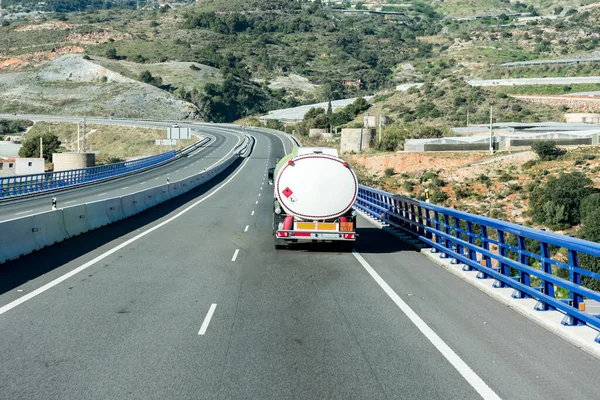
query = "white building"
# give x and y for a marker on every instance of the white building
(21, 166)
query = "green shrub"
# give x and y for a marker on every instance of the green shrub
(438, 197)
(589, 204)
(589, 157)
(484, 179)
(546, 150)
(528, 164)
(590, 231)
(556, 204)
(389, 171)
(505, 177)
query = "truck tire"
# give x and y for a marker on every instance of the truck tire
(280, 244)
(346, 247)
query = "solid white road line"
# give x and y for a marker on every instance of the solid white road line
(23, 212)
(102, 256)
(235, 254)
(207, 319)
(470, 376)
(247, 226)
(252, 212)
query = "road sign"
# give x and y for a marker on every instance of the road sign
(166, 142)
(178, 133)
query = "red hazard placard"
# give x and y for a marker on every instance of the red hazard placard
(287, 192)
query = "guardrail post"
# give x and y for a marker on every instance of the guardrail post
(447, 242)
(524, 277)
(575, 299)
(436, 226)
(458, 235)
(487, 260)
(472, 253)
(504, 268)
(413, 218)
(547, 288)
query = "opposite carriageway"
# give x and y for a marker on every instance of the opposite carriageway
(222, 141)
(287, 324)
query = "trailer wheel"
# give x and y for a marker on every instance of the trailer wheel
(346, 247)
(280, 244)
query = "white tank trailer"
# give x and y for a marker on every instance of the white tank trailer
(314, 191)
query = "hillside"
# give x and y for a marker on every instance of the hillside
(236, 58)
(71, 85)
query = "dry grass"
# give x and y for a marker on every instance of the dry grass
(108, 141)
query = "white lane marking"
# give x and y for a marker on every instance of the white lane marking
(470, 376)
(143, 183)
(69, 202)
(23, 212)
(259, 195)
(126, 187)
(176, 171)
(246, 229)
(101, 194)
(207, 319)
(157, 178)
(252, 212)
(256, 202)
(102, 256)
(235, 254)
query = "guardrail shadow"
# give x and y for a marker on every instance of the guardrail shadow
(17, 272)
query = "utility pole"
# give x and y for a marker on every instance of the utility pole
(380, 129)
(83, 139)
(467, 117)
(78, 139)
(491, 131)
(41, 148)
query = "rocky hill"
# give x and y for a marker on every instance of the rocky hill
(49, 89)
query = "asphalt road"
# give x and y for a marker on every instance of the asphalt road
(305, 323)
(222, 142)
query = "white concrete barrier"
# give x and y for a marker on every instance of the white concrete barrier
(97, 215)
(114, 210)
(48, 228)
(162, 193)
(127, 206)
(139, 201)
(75, 219)
(16, 238)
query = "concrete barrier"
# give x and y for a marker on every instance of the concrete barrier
(96, 214)
(139, 201)
(48, 228)
(114, 210)
(127, 206)
(75, 219)
(16, 238)
(22, 236)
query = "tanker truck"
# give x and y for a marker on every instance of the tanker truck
(314, 191)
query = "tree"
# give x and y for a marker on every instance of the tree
(329, 109)
(313, 112)
(111, 53)
(557, 203)
(590, 231)
(546, 150)
(589, 205)
(31, 146)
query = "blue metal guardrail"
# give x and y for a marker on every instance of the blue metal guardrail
(25, 184)
(528, 260)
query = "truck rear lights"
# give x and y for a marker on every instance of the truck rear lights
(282, 234)
(346, 164)
(349, 236)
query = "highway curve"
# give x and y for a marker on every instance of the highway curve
(222, 142)
(197, 304)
